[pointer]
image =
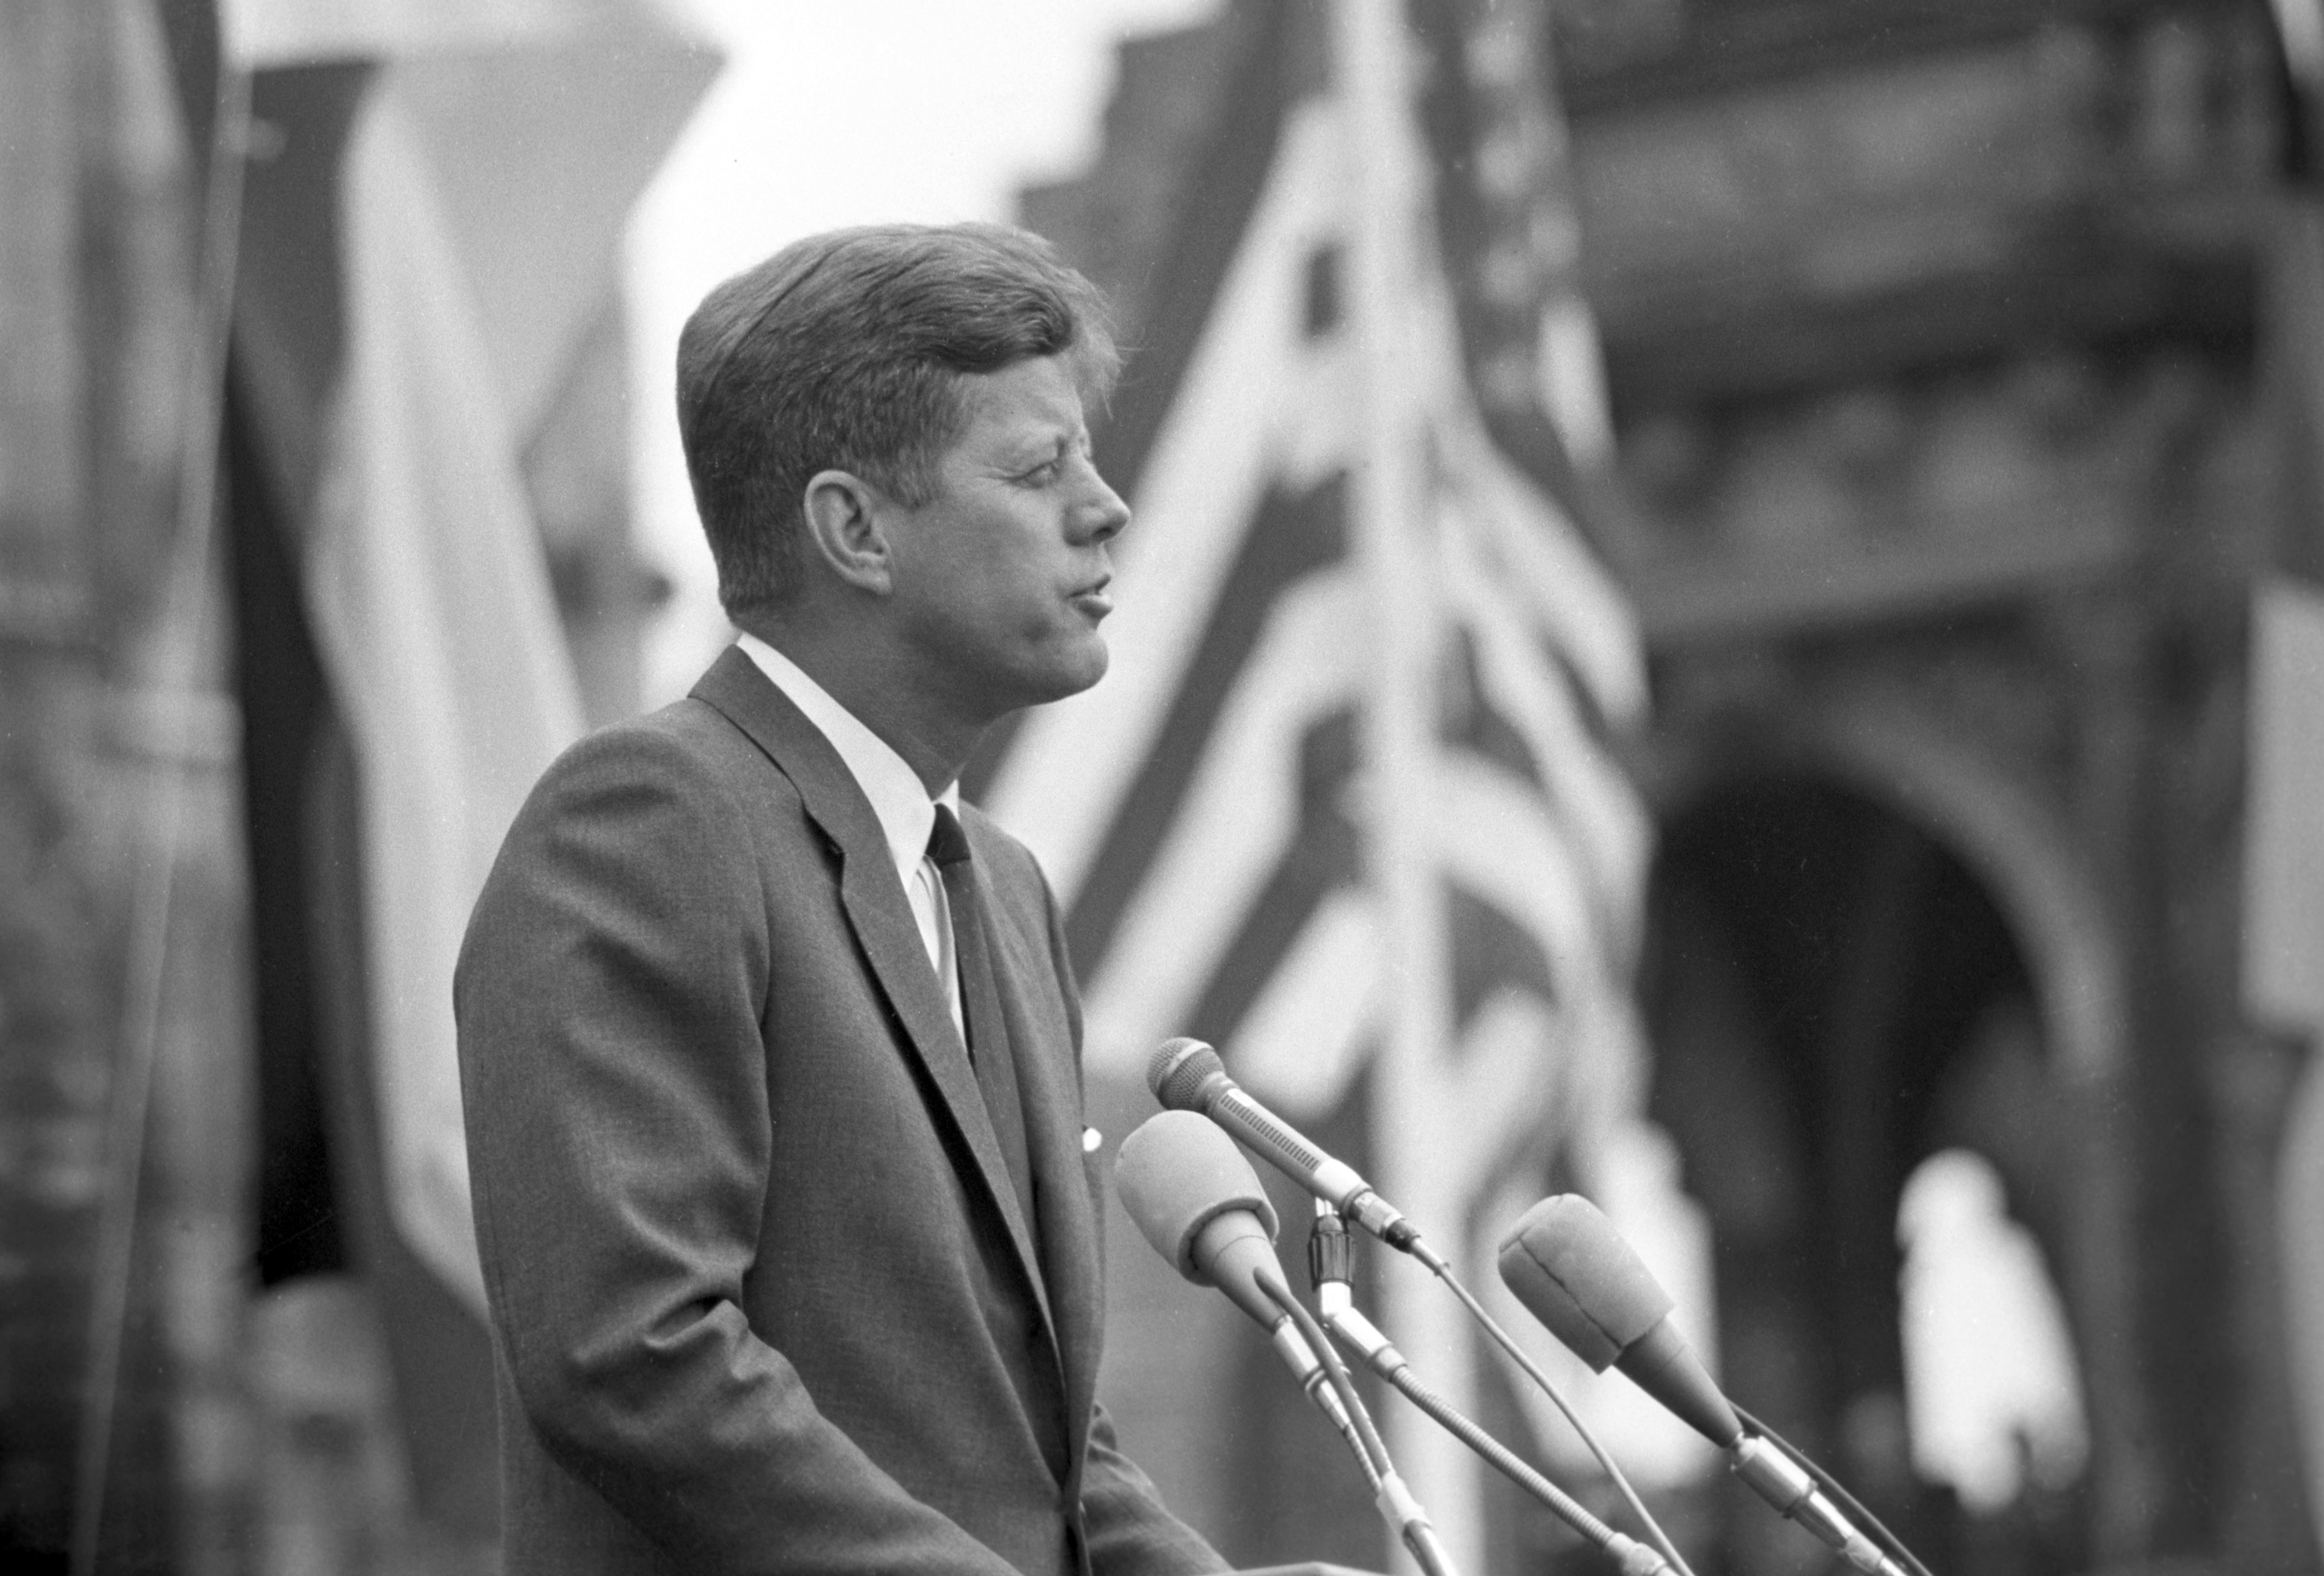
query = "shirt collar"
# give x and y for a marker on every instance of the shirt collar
(907, 814)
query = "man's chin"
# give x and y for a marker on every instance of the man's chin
(1055, 677)
(1081, 674)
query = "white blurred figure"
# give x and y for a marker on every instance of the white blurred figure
(1990, 1382)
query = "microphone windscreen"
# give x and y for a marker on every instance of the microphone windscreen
(1565, 1262)
(1175, 1174)
(1177, 1068)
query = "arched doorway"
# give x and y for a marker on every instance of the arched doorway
(1843, 981)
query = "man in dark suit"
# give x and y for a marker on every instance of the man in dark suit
(770, 1048)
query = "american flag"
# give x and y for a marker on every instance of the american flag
(1347, 443)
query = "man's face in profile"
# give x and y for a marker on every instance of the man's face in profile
(1000, 578)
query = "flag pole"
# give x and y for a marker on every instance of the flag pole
(1387, 215)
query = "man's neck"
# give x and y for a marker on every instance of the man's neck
(937, 747)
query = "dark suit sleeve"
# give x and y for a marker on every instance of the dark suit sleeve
(609, 1001)
(1129, 1531)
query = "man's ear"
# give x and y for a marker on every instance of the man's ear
(845, 517)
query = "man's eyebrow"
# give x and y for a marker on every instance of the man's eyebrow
(1044, 445)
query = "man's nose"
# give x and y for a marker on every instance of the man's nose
(1103, 515)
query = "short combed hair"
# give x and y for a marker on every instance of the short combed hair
(845, 351)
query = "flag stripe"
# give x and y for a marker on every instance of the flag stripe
(1492, 952)
(1293, 536)
(1322, 857)
(1304, 1041)
(1542, 698)
(1210, 229)
(1473, 720)
(1243, 811)
(1530, 546)
(1496, 836)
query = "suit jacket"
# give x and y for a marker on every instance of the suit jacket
(762, 1293)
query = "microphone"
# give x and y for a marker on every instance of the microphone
(1197, 1200)
(1187, 1075)
(1573, 1271)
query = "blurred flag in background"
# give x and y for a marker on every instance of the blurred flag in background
(430, 266)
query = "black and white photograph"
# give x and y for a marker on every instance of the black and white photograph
(1162, 787)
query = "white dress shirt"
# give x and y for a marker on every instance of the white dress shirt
(907, 814)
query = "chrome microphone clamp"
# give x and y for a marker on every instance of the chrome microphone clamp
(1783, 1484)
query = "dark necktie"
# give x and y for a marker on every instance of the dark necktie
(986, 1034)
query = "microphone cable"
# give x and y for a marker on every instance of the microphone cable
(1833, 1486)
(1374, 1449)
(1517, 1354)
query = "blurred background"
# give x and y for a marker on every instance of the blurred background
(1726, 612)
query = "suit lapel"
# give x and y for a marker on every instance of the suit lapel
(881, 918)
(1047, 1083)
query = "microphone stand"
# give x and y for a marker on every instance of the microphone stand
(1314, 1376)
(1793, 1485)
(1403, 1513)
